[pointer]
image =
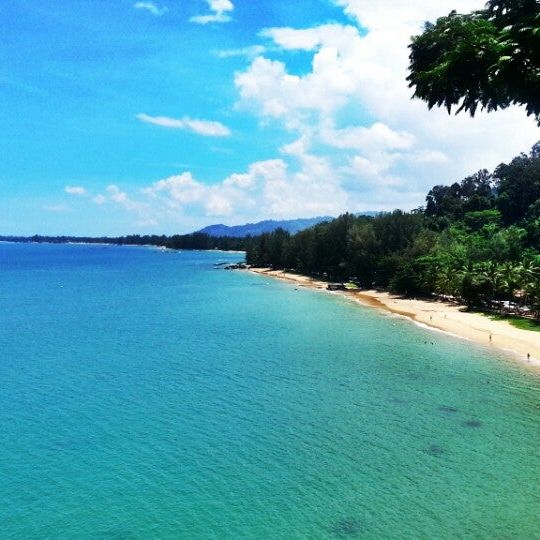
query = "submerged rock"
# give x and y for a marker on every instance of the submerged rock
(447, 409)
(435, 450)
(471, 423)
(346, 527)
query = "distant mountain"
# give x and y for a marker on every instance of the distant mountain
(254, 229)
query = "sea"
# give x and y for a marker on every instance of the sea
(148, 394)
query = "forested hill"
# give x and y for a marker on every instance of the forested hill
(477, 240)
(255, 229)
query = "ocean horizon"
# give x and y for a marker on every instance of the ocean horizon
(147, 394)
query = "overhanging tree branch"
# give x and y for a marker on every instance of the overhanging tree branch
(488, 59)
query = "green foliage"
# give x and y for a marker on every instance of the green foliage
(518, 185)
(474, 194)
(466, 243)
(488, 58)
(518, 322)
(482, 218)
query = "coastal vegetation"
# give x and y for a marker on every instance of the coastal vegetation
(517, 322)
(196, 240)
(476, 241)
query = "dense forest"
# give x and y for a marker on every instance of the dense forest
(177, 241)
(477, 241)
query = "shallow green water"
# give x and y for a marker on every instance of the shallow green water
(146, 395)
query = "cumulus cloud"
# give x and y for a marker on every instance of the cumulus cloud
(116, 195)
(359, 70)
(79, 191)
(183, 193)
(402, 15)
(152, 8)
(206, 128)
(116, 198)
(338, 36)
(355, 139)
(378, 135)
(268, 89)
(298, 183)
(219, 9)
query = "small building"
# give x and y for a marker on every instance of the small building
(335, 287)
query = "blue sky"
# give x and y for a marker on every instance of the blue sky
(162, 117)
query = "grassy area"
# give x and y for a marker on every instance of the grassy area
(518, 322)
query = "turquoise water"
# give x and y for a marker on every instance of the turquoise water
(145, 394)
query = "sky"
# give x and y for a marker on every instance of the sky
(162, 117)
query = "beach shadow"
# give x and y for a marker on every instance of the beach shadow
(346, 528)
(447, 409)
(471, 423)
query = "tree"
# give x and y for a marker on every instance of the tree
(488, 58)
(518, 185)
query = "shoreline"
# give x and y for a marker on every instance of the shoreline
(118, 244)
(436, 315)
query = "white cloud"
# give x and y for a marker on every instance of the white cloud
(377, 136)
(297, 184)
(356, 139)
(403, 15)
(338, 36)
(179, 193)
(182, 189)
(404, 147)
(152, 8)
(206, 128)
(220, 10)
(434, 157)
(76, 190)
(248, 52)
(100, 199)
(267, 87)
(123, 199)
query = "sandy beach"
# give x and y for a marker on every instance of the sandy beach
(442, 316)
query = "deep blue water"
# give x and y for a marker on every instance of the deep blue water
(145, 394)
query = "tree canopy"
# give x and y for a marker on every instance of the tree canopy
(477, 240)
(488, 58)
